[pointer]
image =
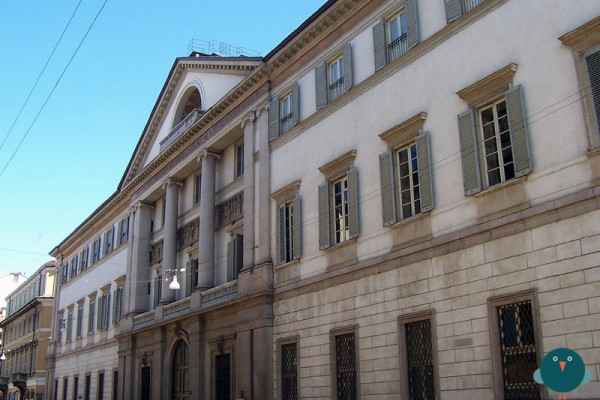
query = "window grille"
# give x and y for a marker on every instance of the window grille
(289, 372)
(420, 360)
(345, 366)
(518, 351)
(222, 377)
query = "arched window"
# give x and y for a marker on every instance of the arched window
(190, 101)
(180, 386)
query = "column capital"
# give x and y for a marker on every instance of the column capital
(207, 153)
(139, 204)
(171, 181)
(248, 118)
(261, 109)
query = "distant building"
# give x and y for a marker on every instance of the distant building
(400, 201)
(27, 333)
(8, 283)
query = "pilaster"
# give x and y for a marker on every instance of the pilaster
(249, 183)
(138, 262)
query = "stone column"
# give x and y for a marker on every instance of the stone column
(249, 180)
(206, 226)
(138, 263)
(169, 262)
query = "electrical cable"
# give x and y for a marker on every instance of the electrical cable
(40, 75)
(52, 91)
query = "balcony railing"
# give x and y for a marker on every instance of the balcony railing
(143, 319)
(177, 307)
(397, 47)
(336, 89)
(219, 293)
(468, 5)
(287, 122)
(180, 128)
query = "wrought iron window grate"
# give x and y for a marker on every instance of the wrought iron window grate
(289, 372)
(223, 376)
(518, 350)
(345, 366)
(420, 360)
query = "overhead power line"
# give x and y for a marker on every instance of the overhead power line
(39, 76)
(53, 89)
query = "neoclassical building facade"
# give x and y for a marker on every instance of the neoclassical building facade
(399, 201)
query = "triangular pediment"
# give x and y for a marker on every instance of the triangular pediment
(214, 76)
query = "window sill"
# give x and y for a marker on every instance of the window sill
(500, 186)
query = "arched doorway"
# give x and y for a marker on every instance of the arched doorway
(180, 382)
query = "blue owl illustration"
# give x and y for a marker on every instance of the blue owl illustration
(562, 370)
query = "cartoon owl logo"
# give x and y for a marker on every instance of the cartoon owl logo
(562, 370)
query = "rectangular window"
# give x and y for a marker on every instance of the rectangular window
(61, 327)
(108, 242)
(87, 388)
(456, 8)
(239, 160)
(336, 78)
(145, 384)
(65, 387)
(340, 210)
(518, 350)
(75, 388)
(197, 188)
(56, 389)
(74, 264)
(69, 326)
(235, 254)
(289, 230)
(83, 259)
(91, 313)
(118, 311)
(122, 231)
(223, 377)
(79, 321)
(419, 371)
(396, 36)
(289, 372)
(408, 182)
(115, 386)
(191, 276)
(345, 366)
(286, 112)
(497, 147)
(104, 311)
(157, 289)
(592, 63)
(100, 386)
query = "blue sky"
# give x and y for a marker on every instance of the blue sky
(73, 157)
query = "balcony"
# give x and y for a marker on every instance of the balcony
(219, 294)
(336, 89)
(181, 128)
(397, 47)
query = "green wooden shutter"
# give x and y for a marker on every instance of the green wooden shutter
(518, 130)
(274, 118)
(295, 104)
(239, 254)
(593, 68)
(467, 131)
(281, 233)
(379, 44)
(99, 309)
(125, 232)
(157, 283)
(453, 10)
(424, 164)
(107, 311)
(324, 219)
(352, 177)
(347, 55)
(388, 189)
(321, 84)
(114, 310)
(296, 249)
(412, 20)
(119, 232)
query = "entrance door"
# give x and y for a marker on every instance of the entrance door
(180, 389)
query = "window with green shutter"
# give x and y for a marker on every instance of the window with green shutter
(395, 35)
(284, 112)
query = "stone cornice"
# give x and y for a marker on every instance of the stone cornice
(489, 87)
(583, 38)
(287, 192)
(404, 131)
(333, 169)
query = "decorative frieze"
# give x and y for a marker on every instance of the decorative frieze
(156, 253)
(187, 235)
(230, 210)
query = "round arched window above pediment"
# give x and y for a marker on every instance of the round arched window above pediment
(189, 102)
